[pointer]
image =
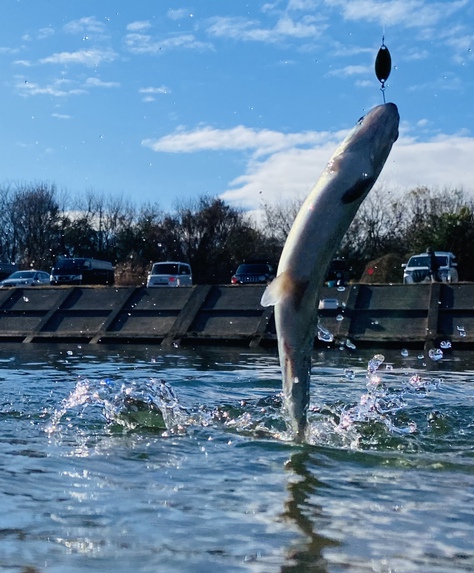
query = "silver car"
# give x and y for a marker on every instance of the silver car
(170, 273)
(418, 268)
(26, 278)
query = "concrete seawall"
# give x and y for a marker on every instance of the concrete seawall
(419, 315)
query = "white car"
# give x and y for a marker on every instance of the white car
(170, 273)
(417, 270)
(26, 278)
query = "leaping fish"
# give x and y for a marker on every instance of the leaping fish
(312, 241)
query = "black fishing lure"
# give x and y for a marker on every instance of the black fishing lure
(383, 66)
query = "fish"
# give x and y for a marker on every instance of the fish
(313, 239)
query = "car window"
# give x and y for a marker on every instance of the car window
(165, 269)
(422, 261)
(249, 269)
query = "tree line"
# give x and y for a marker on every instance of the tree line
(39, 223)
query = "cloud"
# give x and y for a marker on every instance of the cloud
(61, 116)
(284, 166)
(441, 162)
(147, 44)
(139, 26)
(97, 83)
(240, 138)
(351, 71)
(58, 88)
(87, 25)
(409, 13)
(179, 14)
(90, 58)
(237, 28)
(150, 90)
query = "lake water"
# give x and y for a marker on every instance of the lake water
(94, 478)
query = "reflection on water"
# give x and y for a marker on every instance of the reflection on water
(135, 459)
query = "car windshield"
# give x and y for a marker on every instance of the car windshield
(22, 275)
(165, 269)
(424, 261)
(70, 264)
(252, 269)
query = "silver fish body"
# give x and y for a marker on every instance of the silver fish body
(313, 239)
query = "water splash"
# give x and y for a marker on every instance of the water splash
(150, 404)
(153, 405)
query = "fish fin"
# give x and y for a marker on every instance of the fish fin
(276, 291)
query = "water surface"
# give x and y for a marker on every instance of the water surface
(94, 478)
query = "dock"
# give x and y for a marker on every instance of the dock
(419, 315)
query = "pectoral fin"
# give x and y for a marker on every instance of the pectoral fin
(277, 290)
(282, 287)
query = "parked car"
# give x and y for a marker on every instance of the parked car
(81, 271)
(418, 268)
(6, 269)
(337, 273)
(26, 278)
(253, 273)
(170, 273)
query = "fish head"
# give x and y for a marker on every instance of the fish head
(362, 155)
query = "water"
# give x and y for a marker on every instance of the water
(104, 467)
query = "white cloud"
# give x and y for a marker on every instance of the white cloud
(284, 166)
(86, 25)
(351, 71)
(90, 58)
(240, 138)
(409, 13)
(61, 116)
(178, 14)
(138, 26)
(151, 90)
(58, 88)
(251, 30)
(146, 44)
(442, 162)
(44, 33)
(97, 83)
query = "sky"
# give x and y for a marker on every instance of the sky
(164, 102)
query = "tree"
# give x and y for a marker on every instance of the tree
(35, 222)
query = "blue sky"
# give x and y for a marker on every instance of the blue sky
(166, 101)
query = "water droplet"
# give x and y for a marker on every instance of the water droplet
(435, 354)
(445, 344)
(461, 331)
(349, 373)
(324, 335)
(339, 317)
(404, 352)
(26, 299)
(341, 288)
(350, 344)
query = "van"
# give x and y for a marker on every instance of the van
(169, 273)
(81, 271)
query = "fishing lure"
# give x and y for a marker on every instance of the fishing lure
(383, 66)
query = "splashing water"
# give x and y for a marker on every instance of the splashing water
(153, 405)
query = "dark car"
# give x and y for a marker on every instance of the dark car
(253, 273)
(337, 274)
